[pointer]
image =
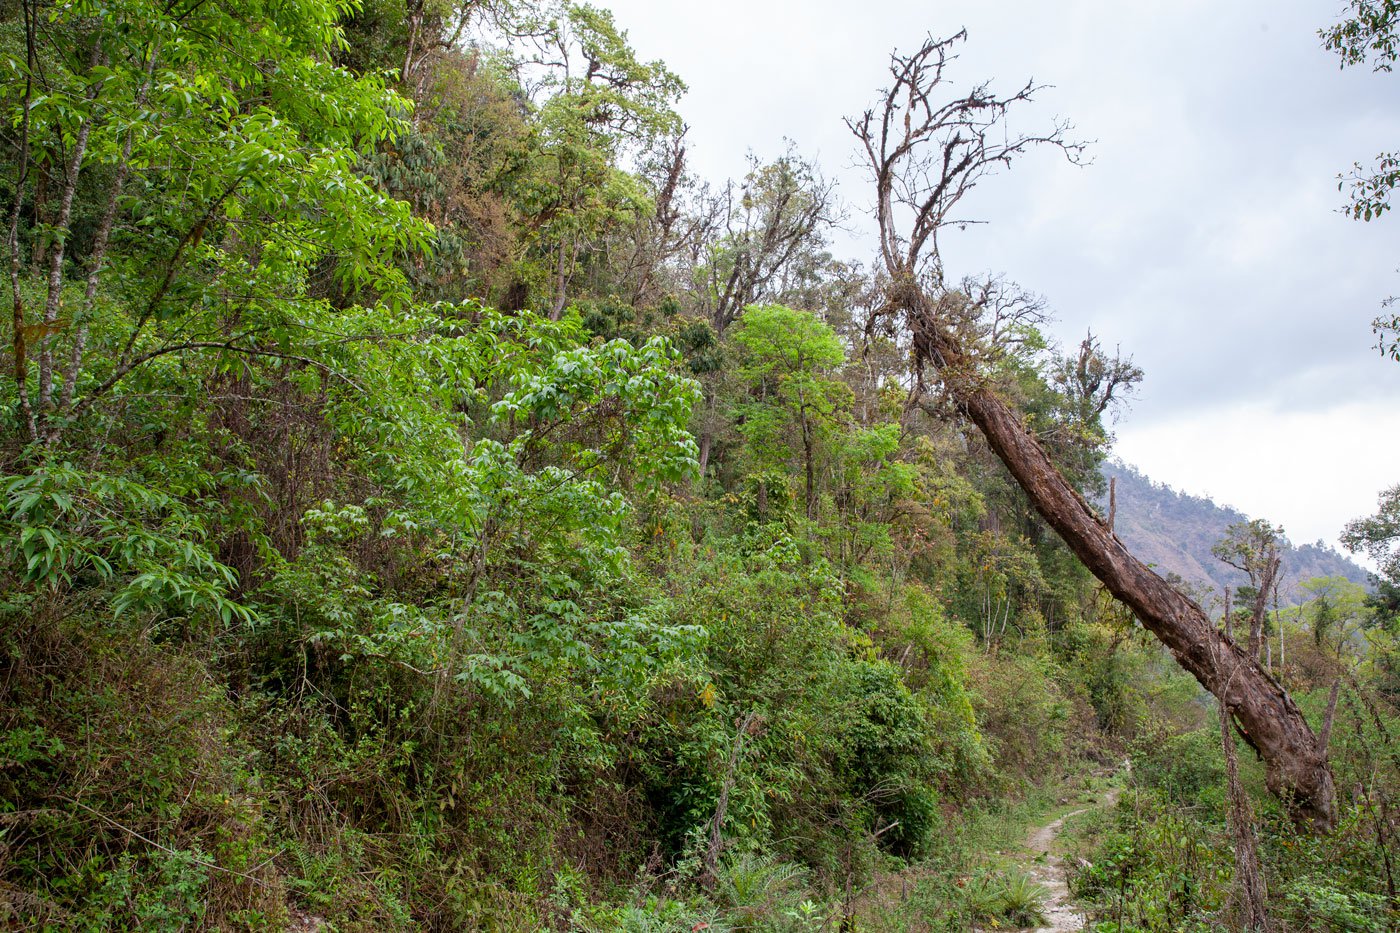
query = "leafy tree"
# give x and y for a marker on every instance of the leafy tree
(1378, 536)
(458, 163)
(1337, 613)
(1253, 547)
(1002, 574)
(789, 363)
(748, 240)
(1066, 400)
(1092, 382)
(872, 489)
(1369, 36)
(599, 101)
(228, 184)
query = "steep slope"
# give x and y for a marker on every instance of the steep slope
(1174, 531)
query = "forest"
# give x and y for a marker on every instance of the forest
(428, 504)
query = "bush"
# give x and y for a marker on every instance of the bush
(1188, 769)
(1157, 869)
(1005, 897)
(1023, 714)
(1321, 905)
(128, 801)
(886, 757)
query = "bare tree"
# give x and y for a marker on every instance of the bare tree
(659, 246)
(782, 210)
(926, 150)
(779, 214)
(1092, 380)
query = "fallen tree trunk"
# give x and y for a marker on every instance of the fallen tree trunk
(925, 152)
(1295, 759)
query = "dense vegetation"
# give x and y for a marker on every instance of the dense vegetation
(427, 504)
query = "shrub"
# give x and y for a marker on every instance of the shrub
(1188, 769)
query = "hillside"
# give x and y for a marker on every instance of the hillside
(1174, 532)
(427, 504)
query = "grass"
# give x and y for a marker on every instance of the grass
(978, 875)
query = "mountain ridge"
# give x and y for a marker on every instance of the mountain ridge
(1173, 531)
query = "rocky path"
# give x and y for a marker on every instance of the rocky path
(1049, 872)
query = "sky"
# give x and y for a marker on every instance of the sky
(1203, 238)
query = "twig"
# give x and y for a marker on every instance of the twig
(198, 861)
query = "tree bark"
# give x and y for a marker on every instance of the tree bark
(20, 349)
(98, 255)
(561, 283)
(1249, 876)
(1295, 762)
(73, 170)
(809, 457)
(1268, 580)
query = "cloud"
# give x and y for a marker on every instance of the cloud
(1310, 471)
(1204, 238)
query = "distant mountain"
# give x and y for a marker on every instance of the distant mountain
(1174, 531)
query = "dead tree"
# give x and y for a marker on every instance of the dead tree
(782, 211)
(926, 150)
(1249, 875)
(672, 228)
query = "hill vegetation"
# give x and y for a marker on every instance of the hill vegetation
(1175, 532)
(428, 505)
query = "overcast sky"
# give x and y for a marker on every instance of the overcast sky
(1204, 238)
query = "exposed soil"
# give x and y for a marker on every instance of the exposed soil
(1049, 873)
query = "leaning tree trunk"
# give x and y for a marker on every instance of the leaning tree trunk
(1295, 759)
(924, 154)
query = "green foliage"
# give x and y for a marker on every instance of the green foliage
(1337, 613)
(934, 651)
(1163, 860)
(332, 594)
(1111, 673)
(1368, 35)
(1378, 536)
(1024, 714)
(653, 915)
(76, 529)
(1159, 873)
(794, 400)
(760, 894)
(148, 815)
(599, 100)
(887, 755)
(1188, 769)
(1326, 906)
(997, 898)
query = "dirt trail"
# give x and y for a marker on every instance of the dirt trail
(1060, 914)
